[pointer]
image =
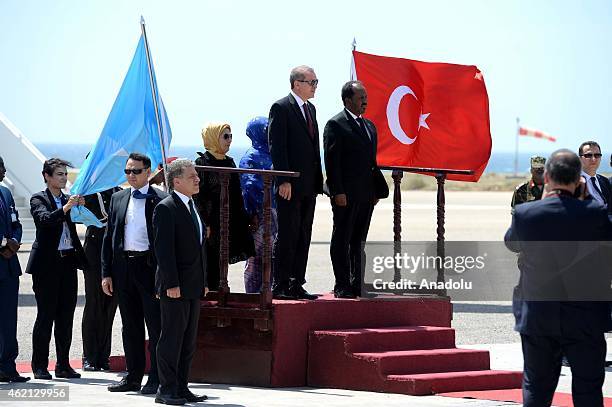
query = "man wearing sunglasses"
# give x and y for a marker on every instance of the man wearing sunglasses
(128, 271)
(294, 146)
(598, 185)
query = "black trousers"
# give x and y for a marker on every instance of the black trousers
(351, 225)
(290, 252)
(542, 365)
(9, 293)
(55, 290)
(138, 305)
(99, 311)
(177, 343)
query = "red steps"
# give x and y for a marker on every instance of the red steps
(414, 360)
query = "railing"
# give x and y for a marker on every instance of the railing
(440, 174)
(223, 295)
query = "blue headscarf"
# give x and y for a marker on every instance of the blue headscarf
(258, 157)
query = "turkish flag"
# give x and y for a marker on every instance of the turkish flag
(431, 115)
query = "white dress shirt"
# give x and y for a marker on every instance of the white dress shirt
(591, 189)
(300, 103)
(136, 238)
(186, 200)
(65, 242)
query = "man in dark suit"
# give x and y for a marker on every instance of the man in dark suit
(350, 161)
(56, 254)
(549, 327)
(128, 270)
(99, 310)
(10, 270)
(598, 185)
(294, 146)
(180, 279)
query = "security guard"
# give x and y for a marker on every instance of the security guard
(532, 189)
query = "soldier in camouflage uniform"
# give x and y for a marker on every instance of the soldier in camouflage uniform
(532, 189)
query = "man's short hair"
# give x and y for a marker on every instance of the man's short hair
(298, 74)
(588, 143)
(1, 160)
(146, 161)
(563, 167)
(348, 89)
(176, 169)
(53, 164)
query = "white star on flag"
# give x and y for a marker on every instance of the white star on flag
(422, 120)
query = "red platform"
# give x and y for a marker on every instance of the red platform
(231, 350)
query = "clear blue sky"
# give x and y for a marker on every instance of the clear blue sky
(545, 61)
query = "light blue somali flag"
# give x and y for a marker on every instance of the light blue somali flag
(130, 127)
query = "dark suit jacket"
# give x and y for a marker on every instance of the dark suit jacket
(606, 190)
(181, 256)
(49, 221)
(293, 149)
(565, 224)
(11, 229)
(350, 158)
(113, 260)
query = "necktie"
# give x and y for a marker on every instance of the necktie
(309, 123)
(593, 179)
(363, 127)
(194, 217)
(139, 195)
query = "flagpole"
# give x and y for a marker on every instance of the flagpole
(516, 146)
(156, 107)
(353, 73)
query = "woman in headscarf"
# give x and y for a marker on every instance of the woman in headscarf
(217, 138)
(257, 157)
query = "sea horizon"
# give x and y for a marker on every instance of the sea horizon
(500, 162)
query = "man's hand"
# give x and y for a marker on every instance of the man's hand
(174, 292)
(284, 190)
(73, 200)
(107, 286)
(340, 199)
(13, 245)
(254, 224)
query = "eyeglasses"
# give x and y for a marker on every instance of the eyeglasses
(312, 83)
(135, 171)
(591, 155)
(227, 136)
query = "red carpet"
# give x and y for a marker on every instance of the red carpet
(559, 400)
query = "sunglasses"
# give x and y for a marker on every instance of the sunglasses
(312, 83)
(135, 171)
(591, 155)
(227, 136)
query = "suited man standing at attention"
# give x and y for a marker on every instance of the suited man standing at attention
(181, 276)
(350, 161)
(128, 271)
(294, 146)
(598, 185)
(56, 254)
(550, 327)
(10, 270)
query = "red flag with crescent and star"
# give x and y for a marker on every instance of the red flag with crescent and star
(430, 115)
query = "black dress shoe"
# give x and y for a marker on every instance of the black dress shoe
(105, 366)
(66, 373)
(42, 374)
(283, 293)
(12, 377)
(344, 294)
(123, 386)
(299, 293)
(88, 366)
(192, 398)
(169, 399)
(150, 387)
